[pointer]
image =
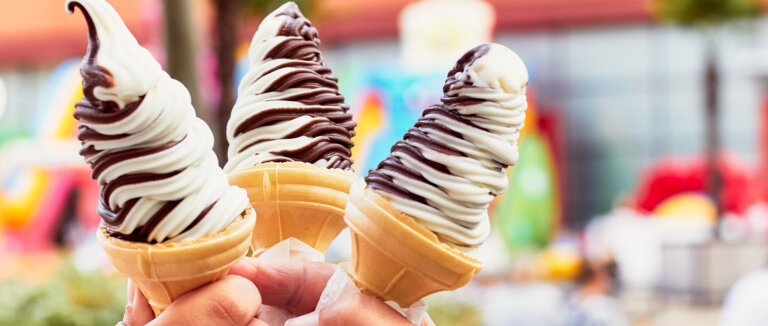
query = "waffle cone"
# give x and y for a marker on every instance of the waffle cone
(295, 199)
(395, 258)
(165, 271)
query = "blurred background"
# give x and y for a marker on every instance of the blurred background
(640, 197)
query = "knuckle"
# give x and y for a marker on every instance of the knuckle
(342, 312)
(299, 287)
(228, 309)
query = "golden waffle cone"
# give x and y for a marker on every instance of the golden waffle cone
(165, 271)
(395, 258)
(295, 199)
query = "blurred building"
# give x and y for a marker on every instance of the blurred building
(627, 89)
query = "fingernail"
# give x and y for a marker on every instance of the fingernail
(309, 319)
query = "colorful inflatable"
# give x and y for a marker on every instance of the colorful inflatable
(675, 175)
(687, 205)
(528, 212)
(44, 187)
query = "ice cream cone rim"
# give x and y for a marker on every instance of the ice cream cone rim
(243, 221)
(302, 203)
(287, 192)
(297, 166)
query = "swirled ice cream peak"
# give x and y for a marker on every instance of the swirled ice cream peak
(120, 54)
(160, 180)
(450, 165)
(289, 107)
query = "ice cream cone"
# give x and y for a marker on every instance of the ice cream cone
(394, 257)
(295, 199)
(165, 271)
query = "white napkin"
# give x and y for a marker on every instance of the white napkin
(341, 284)
(338, 285)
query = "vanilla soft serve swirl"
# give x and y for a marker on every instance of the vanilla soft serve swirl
(288, 106)
(160, 180)
(450, 165)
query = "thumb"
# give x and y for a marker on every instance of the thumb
(232, 300)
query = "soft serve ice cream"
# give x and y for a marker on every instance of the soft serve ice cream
(450, 165)
(288, 107)
(160, 180)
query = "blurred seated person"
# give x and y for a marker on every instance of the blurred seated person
(593, 303)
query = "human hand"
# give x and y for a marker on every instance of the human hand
(232, 300)
(296, 286)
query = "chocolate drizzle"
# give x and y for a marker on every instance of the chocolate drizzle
(92, 111)
(466, 60)
(104, 162)
(93, 74)
(333, 135)
(141, 234)
(380, 178)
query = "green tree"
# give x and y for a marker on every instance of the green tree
(709, 16)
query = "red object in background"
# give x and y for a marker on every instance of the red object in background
(675, 175)
(552, 129)
(342, 20)
(763, 143)
(35, 32)
(39, 232)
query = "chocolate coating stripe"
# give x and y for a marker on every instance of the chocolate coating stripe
(149, 153)
(85, 134)
(114, 219)
(108, 112)
(466, 60)
(96, 75)
(273, 116)
(377, 180)
(104, 162)
(293, 64)
(130, 179)
(141, 234)
(449, 166)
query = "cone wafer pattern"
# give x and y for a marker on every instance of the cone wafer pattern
(166, 271)
(295, 199)
(408, 269)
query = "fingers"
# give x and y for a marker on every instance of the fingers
(229, 301)
(292, 285)
(137, 309)
(353, 309)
